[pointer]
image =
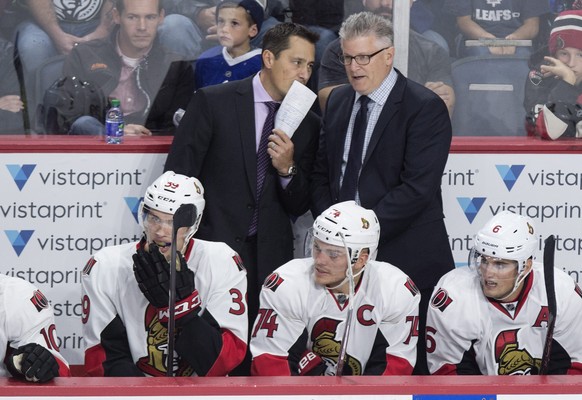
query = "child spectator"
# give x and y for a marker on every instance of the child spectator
(237, 22)
(556, 81)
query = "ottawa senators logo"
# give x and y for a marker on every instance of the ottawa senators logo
(365, 223)
(510, 359)
(441, 300)
(273, 281)
(155, 362)
(39, 301)
(198, 190)
(327, 347)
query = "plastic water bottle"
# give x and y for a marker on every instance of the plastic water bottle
(114, 123)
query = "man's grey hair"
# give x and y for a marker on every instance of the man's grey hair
(366, 23)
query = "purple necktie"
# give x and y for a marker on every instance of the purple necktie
(352, 172)
(263, 160)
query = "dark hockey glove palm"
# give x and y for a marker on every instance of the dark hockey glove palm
(34, 363)
(152, 272)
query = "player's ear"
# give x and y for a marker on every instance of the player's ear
(362, 260)
(528, 265)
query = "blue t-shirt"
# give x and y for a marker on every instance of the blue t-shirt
(217, 66)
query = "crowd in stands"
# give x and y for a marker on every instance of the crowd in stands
(442, 32)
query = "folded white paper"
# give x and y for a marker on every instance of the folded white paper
(294, 108)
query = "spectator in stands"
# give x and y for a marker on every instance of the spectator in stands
(127, 288)
(28, 347)
(502, 19)
(428, 63)
(492, 317)
(556, 81)
(201, 27)
(305, 305)
(225, 138)
(59, 26)
(131, 65)
(55, 27)
(238, 22)
(385, 143)
(11, 104)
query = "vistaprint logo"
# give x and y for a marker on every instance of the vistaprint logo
(509, 174)
(72, 177)
(471, 206)
(133, 204)
(20, 173)
(18, 239)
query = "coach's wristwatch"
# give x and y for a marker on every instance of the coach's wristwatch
(292, 171)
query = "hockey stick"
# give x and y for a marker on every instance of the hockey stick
(185, 216)
(346, 336)
(549, 249)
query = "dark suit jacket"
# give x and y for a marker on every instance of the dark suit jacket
(216, 143)
(400, 178)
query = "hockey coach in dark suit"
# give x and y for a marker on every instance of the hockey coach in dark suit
(253, 186)
(384, 143)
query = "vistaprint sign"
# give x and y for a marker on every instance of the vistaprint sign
(59, 209)
(544, 187)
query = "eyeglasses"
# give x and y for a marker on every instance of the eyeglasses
(362, 59)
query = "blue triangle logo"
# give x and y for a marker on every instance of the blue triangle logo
(20, 173)
(18, 239)
(133, 204)
(471, 206)
(509, 174)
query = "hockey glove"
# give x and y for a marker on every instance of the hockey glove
(311, 364)
(34, 363)
(152, 272)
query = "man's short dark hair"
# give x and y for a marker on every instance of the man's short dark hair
(276, 39)
(120, 5)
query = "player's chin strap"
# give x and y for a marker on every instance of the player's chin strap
(346, 279)
(350, 278)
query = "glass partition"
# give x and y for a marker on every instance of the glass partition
(504, 68)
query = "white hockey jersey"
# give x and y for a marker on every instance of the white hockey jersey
(467, 333)
(26, 317)
(384, 322)
(123, 335)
